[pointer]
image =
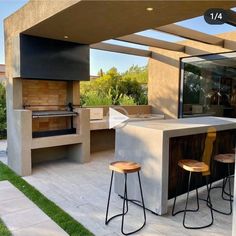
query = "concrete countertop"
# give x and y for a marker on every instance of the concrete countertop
(99, 124)
(104, 123)
(148, 142)
(186, 123)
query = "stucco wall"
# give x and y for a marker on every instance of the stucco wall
(164, 73)
(19, 149)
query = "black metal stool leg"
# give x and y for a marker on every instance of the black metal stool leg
(176, 194)
(141, 193)
(108, 203)
(224, 191)
(109, 196)
(230, 195)
(126, 199)
(186, 206)
(125, 168)
(197, 195)
(222, 195)
(223, 186)
(209, 200)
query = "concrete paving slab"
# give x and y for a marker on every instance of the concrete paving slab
(15, 205)
(69, 185)
(45, 228)
(9, 193)
(82, 190)
(22, 217)
(5, 184)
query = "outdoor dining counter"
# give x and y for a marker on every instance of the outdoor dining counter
(158, 145)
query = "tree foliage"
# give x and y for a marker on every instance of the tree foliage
(139, 73)
(114, 88)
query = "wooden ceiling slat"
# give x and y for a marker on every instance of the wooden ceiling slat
(151, 42)
(121, 49)
(229, 44)
(231, 18)
(191, 34)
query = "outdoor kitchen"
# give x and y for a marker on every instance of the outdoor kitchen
(49, 123)
(69, 153)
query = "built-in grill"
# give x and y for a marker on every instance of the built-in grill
(39, 114)
(45, 116)
(51, 114)
(47, 75)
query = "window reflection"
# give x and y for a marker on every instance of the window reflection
(209, 87)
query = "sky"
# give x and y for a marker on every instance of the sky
(106, 60)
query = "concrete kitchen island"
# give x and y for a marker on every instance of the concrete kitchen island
(149, 143)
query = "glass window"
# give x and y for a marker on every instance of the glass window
(209, 86)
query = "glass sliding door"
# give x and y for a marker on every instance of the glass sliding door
(208, 85)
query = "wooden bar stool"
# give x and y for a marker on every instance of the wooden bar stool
(197, 167)
(125, 167)
(226, 159)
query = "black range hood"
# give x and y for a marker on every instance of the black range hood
(49, 59)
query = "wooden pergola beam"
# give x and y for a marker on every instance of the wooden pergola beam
(191, 34)
(231, 18)
(121, 49)
(151, 42)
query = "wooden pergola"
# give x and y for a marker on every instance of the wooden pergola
(172, 29)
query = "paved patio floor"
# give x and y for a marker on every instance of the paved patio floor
(81, 190)
(22, 217)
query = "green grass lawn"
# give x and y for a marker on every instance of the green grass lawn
(4, 230)
(65, 221)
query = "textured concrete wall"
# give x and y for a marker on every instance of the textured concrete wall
(19, 122)
(164, 73)
(132, 110)
(19, 142)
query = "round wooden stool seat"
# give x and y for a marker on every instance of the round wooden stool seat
(193, 165)
(125, 166)
(225, 158)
